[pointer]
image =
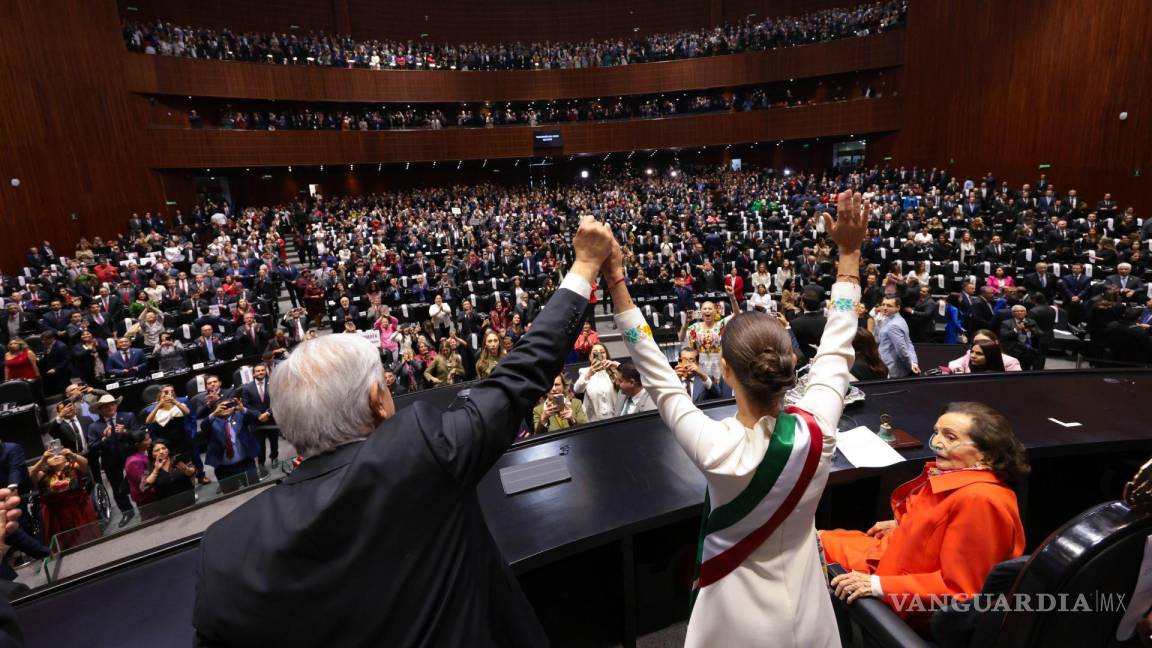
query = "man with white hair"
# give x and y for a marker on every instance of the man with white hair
(1130, 286)
(377, 538)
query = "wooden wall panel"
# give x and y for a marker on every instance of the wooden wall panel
(237, 15)
(68, 127)
(175, 76)
(1006, 86)
(174, 149)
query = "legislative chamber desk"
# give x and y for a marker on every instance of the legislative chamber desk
(630, 477)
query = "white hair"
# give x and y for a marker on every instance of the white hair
(322, 392)
(1124, 265)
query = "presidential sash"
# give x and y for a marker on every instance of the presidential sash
(730, 533)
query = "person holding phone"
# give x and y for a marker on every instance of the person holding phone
(559, 409)
(596, 383)
(232, 443)
(170, 474)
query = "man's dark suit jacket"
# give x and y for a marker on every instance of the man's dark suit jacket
(1032, 283)
(808, 328)
(66, 434)
(389, 531)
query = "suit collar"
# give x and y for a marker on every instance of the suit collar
(323, 464)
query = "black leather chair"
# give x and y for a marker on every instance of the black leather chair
(17, 392)
(1097, 554)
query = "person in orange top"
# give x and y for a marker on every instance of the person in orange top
(952, 524)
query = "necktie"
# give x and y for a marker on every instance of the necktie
(627, 406)
(252, 333)
(79, 435)
(229, 450)
(1147, 317)
(125, 355)
(260, 390)
(211, 353)
(1043, 281)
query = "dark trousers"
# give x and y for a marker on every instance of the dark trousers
(114, 470)
(293, 293)
(269, 443)
(246, 467)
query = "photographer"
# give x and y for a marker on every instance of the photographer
(170, 474)
(232, 445)
(1021, 338)
(696, 382)
(558, 409)
(597, 384)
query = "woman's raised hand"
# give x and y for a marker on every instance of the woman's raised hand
(851, 223)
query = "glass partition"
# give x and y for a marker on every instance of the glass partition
(65, 542)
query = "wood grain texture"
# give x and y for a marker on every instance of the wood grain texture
(160, 75)
(68, 127)
(178, 148)
(1006, 86)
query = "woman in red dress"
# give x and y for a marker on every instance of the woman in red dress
(65, 506)
(20, 362)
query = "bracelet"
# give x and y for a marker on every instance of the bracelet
(848, 277)
(617, 282)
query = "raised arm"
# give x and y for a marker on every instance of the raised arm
(830, 375)
(695, 431)
(470, 438)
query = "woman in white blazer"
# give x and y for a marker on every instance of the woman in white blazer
(596, 383)
(760, 577)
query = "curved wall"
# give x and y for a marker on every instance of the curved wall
(173, 148)
(162, 75)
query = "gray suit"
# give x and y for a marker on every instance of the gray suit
(896, 348)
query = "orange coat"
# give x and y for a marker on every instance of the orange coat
(953, 527)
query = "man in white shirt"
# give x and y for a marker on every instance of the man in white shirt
(632, 397)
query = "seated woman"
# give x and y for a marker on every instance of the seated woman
(596, 383)
(962, 364)
(984, 356)
(558, 409)
(65, 505)
(952, 524)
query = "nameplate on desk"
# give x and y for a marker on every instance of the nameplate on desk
(198, 365)
(112, 385)
(534, 474)
(158, 374)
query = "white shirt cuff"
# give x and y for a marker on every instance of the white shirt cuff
(876, 591)
(577, 284)
(707, 382)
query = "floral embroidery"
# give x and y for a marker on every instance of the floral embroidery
(844, 304)
(636, 333)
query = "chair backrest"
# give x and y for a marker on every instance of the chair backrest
(18, 392)
(1095, 556)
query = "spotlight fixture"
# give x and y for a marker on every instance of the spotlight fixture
(407, 165)
(787, 172)
(584, 173)
(649, 171)
(673, 173)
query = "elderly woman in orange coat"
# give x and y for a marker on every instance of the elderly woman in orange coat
(952, 524)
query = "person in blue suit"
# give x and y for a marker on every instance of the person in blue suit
(232, 442)
(126, 362)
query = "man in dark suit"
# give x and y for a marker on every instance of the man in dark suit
(251, 338)
(809, 326)
(107, 437)
(1048, 318)
(982, 313)
(126, 362)
(1041, 281)
(1074, 286)
(696, 382)
(1021, 338)
(210, 348)
(56, 363)
(399, 501)
(1131, 287)
(257, 398)
(55, 318)
(15, 323)
(69, 428)
(997, 252)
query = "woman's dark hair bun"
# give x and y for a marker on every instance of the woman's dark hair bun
(767, 370)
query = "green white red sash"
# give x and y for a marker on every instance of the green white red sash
(730, 533)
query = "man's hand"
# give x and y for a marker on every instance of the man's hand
(593, 243)
(881, 529)
(915, 369)
(613, 267)
(264, 416)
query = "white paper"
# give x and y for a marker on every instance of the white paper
(863, 449)
(245, 374)
(198, 365)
